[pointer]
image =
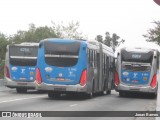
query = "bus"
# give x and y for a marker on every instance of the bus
(20, 66)
(136, 71)
(70, 66)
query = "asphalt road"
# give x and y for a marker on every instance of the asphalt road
(35, 101)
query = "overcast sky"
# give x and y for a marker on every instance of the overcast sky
(127, 18)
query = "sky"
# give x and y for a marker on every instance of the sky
(129, 19)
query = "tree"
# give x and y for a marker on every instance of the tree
(110, 41)
(153, 34)
(3, 44)
(33, 34)
(69, 31)
(99, 38)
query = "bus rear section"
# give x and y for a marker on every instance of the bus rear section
(20, 63)
(136, 71)
(62, 67)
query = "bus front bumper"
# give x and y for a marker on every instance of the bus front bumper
(132, 88)
(61, 88)
(18, 84)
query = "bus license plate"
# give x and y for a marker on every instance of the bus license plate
(134, 89)
(21, 83)
(60, 79)
(59, 89)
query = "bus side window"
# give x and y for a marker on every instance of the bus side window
(95, 59)
(88, 54)
(90, 58)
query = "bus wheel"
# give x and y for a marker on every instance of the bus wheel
(153, 95)
(21, 90)
(89, 95)
(121, 94)
(108, 92)
(53, 95)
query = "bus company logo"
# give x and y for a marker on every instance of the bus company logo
(14, 68)
(135, 75)
(60, 74)
(22, 71)
(125, 73)
(48, 69)
(136, 56)
(31, 73)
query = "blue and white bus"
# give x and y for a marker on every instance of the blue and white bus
(20, 66)
(136, 71)
(74, 66)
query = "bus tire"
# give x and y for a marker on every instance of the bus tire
(121, 94)
(153, 95)
(53, 95)
(21, 90)
(108, 92)
(89, 95)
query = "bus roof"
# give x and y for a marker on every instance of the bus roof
(138, 49)
(26, 44)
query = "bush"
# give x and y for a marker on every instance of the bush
(1, 69)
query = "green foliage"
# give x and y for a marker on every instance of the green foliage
(154, 34)
(1, 68)
(99, 38)
(33, 34)
(3, 44)
(69, 31)
(110, 41)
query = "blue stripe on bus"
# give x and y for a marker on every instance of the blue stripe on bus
(22, 73)
(135, 77)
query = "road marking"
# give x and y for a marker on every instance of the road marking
(73, 105)
(6, 101)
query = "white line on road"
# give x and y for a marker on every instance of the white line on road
(73, 105)
(6, 101)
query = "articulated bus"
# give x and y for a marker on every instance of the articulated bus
(136, 71)
(68, 66)
(20, 66)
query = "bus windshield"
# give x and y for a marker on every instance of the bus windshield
(61, 55)
(23, 55)
(137, 56)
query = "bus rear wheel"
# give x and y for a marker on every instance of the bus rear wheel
(121, 94)
(108, 92)
(53, 95)
(21, 90)
(88, 95)
(154, 95)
